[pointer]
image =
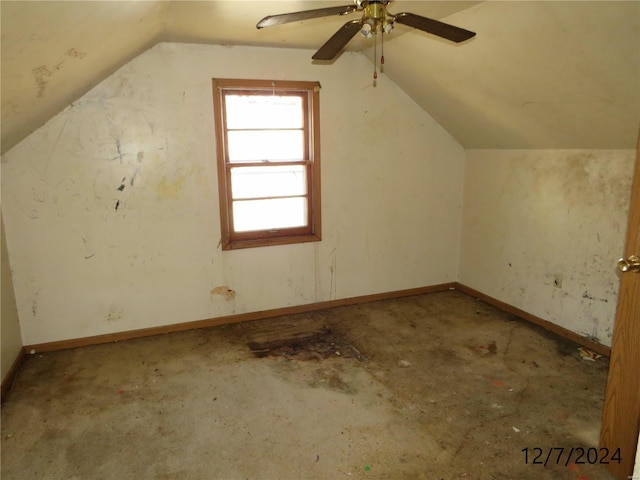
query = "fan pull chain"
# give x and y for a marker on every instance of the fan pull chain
(382, 57)
(375, 56)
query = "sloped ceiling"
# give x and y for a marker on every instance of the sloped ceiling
(537, 75)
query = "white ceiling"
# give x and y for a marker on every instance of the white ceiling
(544, 74)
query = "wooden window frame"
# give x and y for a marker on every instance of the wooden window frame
(309, 92)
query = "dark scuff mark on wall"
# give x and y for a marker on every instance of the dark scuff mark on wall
(117, 204)
(118, 148)
(121, 187)
(590, 297)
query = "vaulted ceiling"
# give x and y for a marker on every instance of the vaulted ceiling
(544, 74)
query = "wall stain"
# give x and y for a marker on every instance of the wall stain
(114, 314)
(333, 287)
(169, 190)
(583, 179)
(224, 292)
(41, 75)
(74, 53)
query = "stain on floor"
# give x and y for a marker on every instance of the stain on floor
(301, 341)
(423, 387)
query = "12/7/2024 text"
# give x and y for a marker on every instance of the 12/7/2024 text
(565, 456)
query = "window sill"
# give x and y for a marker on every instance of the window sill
(267, 242)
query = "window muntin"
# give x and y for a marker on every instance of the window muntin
(268, 161)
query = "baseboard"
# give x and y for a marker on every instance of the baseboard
(277, 312)
(552, 327)
(241, 317)
(7, 382)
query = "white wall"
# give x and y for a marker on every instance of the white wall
(10, 337)
(391, 186)
(636, 469)
(531, 215)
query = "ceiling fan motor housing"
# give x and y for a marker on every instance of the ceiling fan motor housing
(375, 11)
(374, 18)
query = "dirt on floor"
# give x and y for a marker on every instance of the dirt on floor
(437, 386)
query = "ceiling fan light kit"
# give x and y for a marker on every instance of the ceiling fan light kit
(375, 18)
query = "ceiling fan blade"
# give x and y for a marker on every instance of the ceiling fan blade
(304, 15)
(337, 42)
(444, 30)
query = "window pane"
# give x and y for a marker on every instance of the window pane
(252, 215)
(263, 111)
(276, 181)
(273, 145)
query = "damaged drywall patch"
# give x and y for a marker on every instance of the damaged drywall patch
(224, 292)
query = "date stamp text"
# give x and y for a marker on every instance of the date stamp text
(566, 456)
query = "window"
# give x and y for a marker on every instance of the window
(268, 147)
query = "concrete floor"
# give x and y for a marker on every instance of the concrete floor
(437, 386)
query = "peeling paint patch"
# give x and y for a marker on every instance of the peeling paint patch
(224, 291)
(169, 190)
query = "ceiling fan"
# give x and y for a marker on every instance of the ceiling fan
(375, 18)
